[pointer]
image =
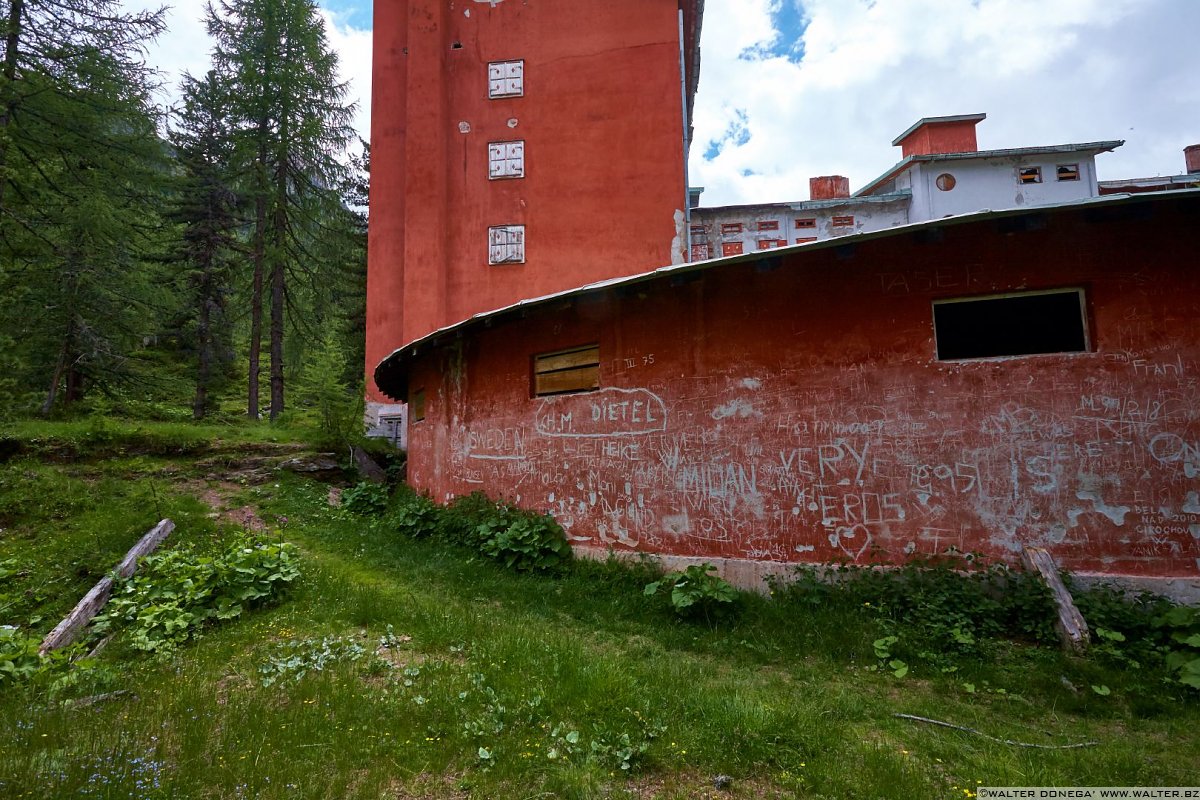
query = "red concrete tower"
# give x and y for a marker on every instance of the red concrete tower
(520, 148)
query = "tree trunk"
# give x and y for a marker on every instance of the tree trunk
(74, 381)
(259, 258)
(60, 366)
(204, 342)
(279, 235)
(12, 43)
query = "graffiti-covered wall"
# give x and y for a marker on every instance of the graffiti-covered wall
(795, 408)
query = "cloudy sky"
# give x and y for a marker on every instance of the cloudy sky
(791, 89)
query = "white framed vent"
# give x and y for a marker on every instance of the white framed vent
(506, 244)
(506, 79)
(506, 160)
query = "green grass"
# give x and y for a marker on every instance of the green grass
(103, 437)
(580, 666)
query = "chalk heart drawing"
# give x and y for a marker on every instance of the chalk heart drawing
(608, 412)
(846, 537)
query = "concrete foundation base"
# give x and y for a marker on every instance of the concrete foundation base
(754, 575)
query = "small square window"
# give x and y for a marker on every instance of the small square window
(1029, 175)
(506, 79)
(768, 225)
(771, 244)
(1021, 324)
(506, 244)
(805, 239)
(700, 252)
(806, 222)
(1067, 172)
(416, 405)
(731, 248)
(843, 221)
(563, 371)
(506, 160)
(730, 228)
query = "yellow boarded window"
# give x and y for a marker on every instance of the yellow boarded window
(416, 405)
(574, 370)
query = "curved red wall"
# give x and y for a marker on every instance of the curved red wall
(794, 410)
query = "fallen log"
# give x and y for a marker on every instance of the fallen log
(1070, 624)
(68, 630)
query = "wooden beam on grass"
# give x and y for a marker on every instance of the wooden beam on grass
(68, 630)
(1071, 626)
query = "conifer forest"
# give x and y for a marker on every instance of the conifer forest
(177, 250)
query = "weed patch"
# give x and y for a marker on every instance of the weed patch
(176, 592)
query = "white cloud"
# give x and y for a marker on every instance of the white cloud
(1044, 72)
(185, 46)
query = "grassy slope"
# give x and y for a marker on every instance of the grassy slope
(780, 699)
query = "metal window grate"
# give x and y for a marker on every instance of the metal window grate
(506, 244)
(506, 160)
(506, 79)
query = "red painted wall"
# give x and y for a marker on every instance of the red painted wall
(798, 412)
(602, 121)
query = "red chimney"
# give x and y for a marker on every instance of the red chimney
(1191, 157)
(940, 135)
(828, 187)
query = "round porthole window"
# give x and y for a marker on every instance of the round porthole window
(945, 181)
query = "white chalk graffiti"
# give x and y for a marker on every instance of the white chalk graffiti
(608, 412)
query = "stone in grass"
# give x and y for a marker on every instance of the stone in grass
(722, 782)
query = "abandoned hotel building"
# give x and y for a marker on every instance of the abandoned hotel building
(980, 350)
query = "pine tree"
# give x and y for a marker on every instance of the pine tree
(85, 170)
(205, 209)
(291, 122)
(44, 37)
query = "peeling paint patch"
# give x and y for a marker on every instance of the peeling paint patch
(677, 524)
(1090, 491)
(753, 384)
(1192, 506)
(678, 253)
(738, 407)
(1194, 530)
(464, 127)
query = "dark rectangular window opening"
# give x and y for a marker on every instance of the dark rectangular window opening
(730, 228)
(416, 405)
(1025, 324)
(768, 225)
(1067, 172)
(806, 222)
(843, 221)
(1029, 175)
(563, 371)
